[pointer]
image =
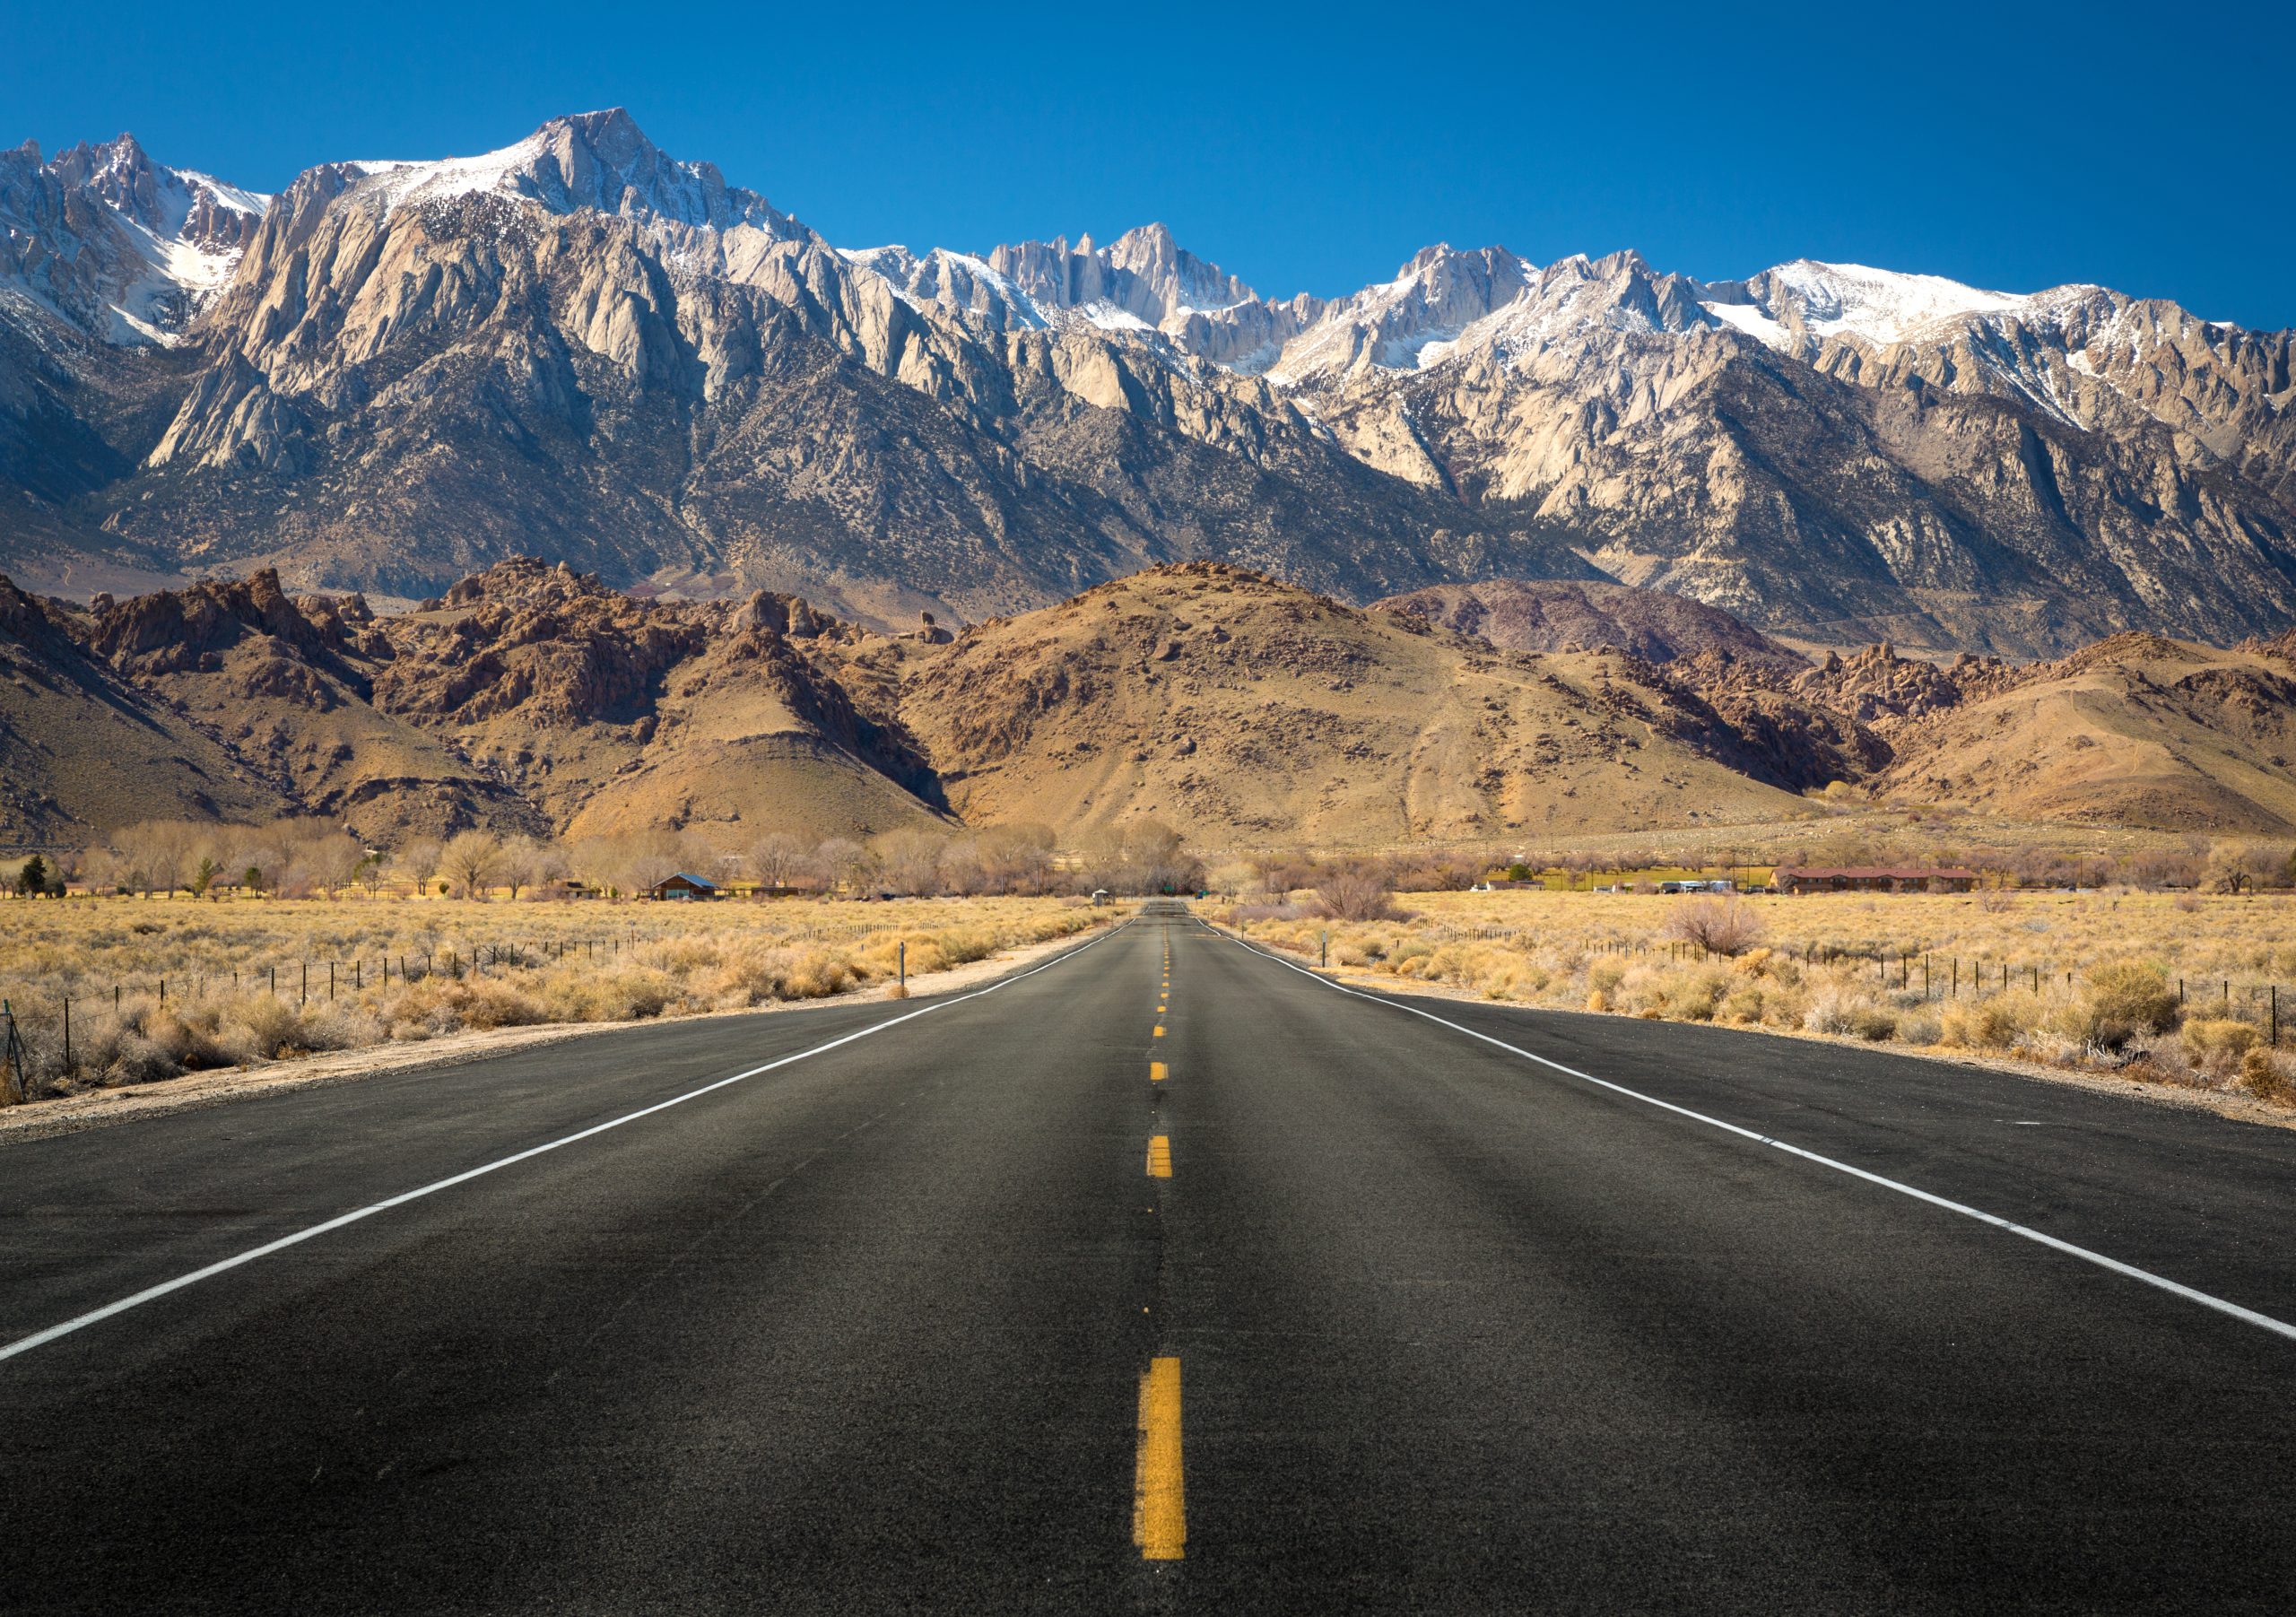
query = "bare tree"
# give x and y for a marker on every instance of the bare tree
(470, 859)
(418, 861)
(2245, 866)
(158, 853)
(1020, 859)
(1356, 892)
(908, 861)
(844, 862)
(777, 859)
(332, 856)
(1724, 925)
(526, 863)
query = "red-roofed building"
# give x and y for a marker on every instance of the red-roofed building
(1873, 878)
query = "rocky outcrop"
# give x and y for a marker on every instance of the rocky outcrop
(173, 631)
(1523, 615)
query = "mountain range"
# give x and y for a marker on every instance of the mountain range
(1242, 711)
(392, 374)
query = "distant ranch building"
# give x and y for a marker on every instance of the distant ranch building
(1873, 878)
(683, 887)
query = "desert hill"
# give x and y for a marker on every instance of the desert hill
(532, 698)
(1225, 703)
(607, 714)
(80, 744)
(2138, 730)
(1553, 614)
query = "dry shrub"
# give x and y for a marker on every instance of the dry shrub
(2263, 1074)
(818, 973)
(632, 993)
(1720, 925)
(2217, 1043)
(270, 1027)
(2121, 999)
(1687, 995)
(493, 1001)
(2135, 993)
(1998, 1022)
(1839, 1010)
(1356, 892)
(1920, 1025)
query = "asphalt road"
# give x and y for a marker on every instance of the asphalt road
(1408, 1321)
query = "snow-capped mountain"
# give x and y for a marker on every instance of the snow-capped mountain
(396, 371)
(121, 246)
(599, 161)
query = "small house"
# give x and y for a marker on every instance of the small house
(682, 887)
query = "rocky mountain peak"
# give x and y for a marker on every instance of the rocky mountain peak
(127, 248)
(1177, 277)
(1144, 273)
(524, 582)
(601, 161)
(119, 170)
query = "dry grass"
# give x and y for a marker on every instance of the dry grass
(2088, 980)
(488, 966)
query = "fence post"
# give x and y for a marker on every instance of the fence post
(904, 949)
(13, 1056)
(67, 1033)
(330, 982)
(1324, 958)
(306, 992)
(163, 993)
(2275, 1016)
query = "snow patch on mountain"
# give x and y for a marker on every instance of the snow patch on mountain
(1882, 308)
(124, 247)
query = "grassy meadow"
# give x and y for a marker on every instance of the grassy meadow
(159, 988)
(2158, 988)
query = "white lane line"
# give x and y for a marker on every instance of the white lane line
(2266, 1322)
(25, 1345)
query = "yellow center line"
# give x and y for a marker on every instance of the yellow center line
(1156, 1072)
(1158, 1502)
(1159, 1029)
(1160, 1157)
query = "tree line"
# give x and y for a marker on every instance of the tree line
(318, 858)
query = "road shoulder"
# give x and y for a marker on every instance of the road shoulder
(2237, 1107)
(101, 1108)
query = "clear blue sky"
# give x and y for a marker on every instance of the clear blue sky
(2011, 144)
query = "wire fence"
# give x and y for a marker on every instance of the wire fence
(307, 982)
(1937, 976)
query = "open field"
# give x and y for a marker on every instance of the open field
(2178, 990)
(157, 989)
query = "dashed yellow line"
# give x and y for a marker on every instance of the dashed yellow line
(1159, 1500)
(1157, 1073)
(1160, 1157)
(1159, 1029)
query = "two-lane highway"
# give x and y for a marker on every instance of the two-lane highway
(1164, 1276)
